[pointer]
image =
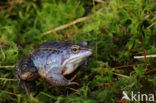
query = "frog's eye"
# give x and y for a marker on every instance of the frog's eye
(75, 49)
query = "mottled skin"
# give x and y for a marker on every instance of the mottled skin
(52, 60)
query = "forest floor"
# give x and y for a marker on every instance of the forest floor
(117, 31)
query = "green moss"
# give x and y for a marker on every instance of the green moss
(113, 33)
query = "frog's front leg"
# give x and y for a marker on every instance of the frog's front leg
(54, 77)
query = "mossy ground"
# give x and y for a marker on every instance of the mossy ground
(113, 32)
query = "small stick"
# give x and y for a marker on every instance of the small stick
(139, 53)
(105, 84)
(71, 23)
(67, 25)
(147, 56)
(2, 53)
(3, 43)
(122, 101)
(73, 89)
(119, 67)
(8, 79)
(149, 15)
(7, 66)
(121, 75)
(99, 1)
(151, 25)
(144, 51)
(2, 91)
(149, 71)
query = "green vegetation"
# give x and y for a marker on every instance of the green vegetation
(113, 31)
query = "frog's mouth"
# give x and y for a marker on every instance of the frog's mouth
(72, 63)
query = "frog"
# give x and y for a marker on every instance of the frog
(52, 60)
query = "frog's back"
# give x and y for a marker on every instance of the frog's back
(49, 55)
(59, 45)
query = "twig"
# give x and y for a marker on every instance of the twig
(149, 15)
(71, 23)
(147, 56)
(3, 7)
(67, 25)
(8, 79)
(73, 89)
(151, 25)
(105, 84)
(2, 91)
(99, 1)
(122, 101)
(7, 66)
(141, 52)
(3, 43)
(2, 54)
(118, 67)
(149, 71)
(121, 75)
(144, 51)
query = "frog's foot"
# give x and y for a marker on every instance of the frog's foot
(73, 77)
(24, 85)
(55, 78)
(74, 83)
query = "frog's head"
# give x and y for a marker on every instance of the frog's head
(25, 70)
(74, 56)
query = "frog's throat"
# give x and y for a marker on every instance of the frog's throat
(77, 59)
